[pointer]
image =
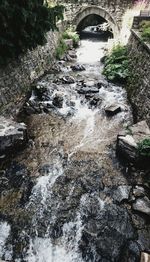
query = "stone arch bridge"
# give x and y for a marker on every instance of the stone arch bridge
(110, 10)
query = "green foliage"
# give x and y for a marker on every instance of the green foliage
(117, 64)
(70, 34)
(23, 25)
(61, 49)
(145, 30)
(144, 147)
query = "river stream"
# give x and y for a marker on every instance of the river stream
(72, 212)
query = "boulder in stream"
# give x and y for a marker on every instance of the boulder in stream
(58, 101)
(12, 135)
(112, 110)
(138, 191)
(142, 205)
(72, 53)
(121, 193)
(68, 80)
(78, 68)
(42, 92)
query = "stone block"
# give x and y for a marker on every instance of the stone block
(12, 135)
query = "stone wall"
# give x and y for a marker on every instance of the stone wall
(139, 86)
(16, 78)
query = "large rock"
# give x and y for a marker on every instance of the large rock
(107, 230)
(42, 92)
(138, 191)
(121, 193)
(128, 140)
(72, 54)
(68, 80)
(12, 135)
(77, 68)
(112, 109)
(142, 205)
(145, 257)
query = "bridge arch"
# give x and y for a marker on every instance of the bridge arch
(95, 10)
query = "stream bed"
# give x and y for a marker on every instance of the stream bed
(68, 198)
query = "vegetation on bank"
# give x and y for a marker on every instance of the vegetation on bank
(62, 47)
(71, 34)
(144, 147)
(116, 64)
(23, 25)
(145, 31)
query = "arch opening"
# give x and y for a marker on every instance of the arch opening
(94, 25)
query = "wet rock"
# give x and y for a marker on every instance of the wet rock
(88, 90)
(131, 252)
(56, 67)
(103, 58)
(138, 191)
(94, 100)
(103, 83)
(45, 169)
(78, 68)
(112, 230)
(121, 193)
(145, 257)
(12, 135)
(99, 84)
(17, 174)
(127, 143)
(16, 184)
(68, 80)
(67, 58)
(143, 237)
(58, 101)
(142, 205)
(72, 54)
(42, 92)
(112, 110)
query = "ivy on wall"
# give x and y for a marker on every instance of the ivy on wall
(23, 24)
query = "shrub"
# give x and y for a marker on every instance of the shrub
(61, 48)
(70, 34)
(144, 147)
(23, 25)
(117, 64)
(145, 30)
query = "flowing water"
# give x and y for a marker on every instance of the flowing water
(69, 216)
